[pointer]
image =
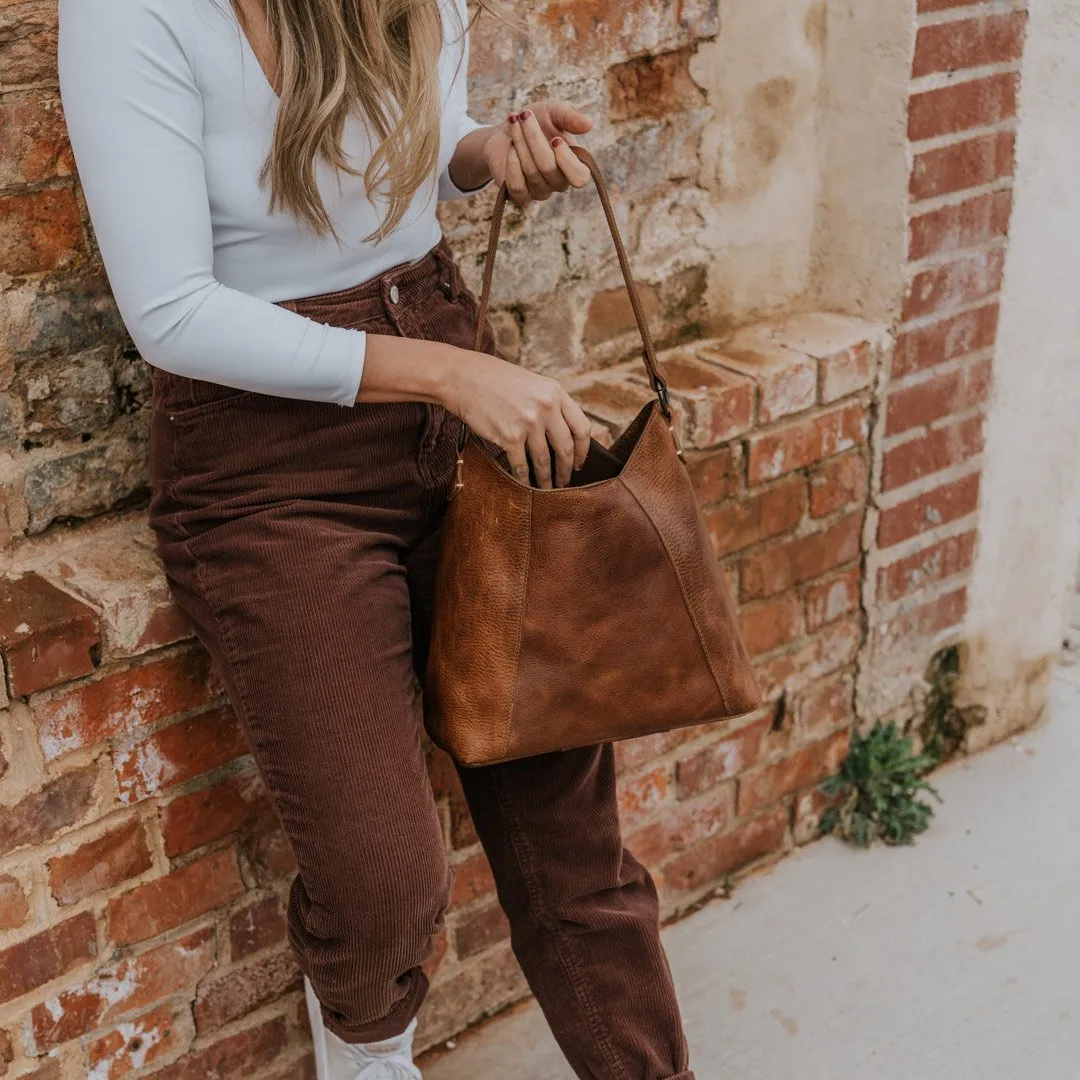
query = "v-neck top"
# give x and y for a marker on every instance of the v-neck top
(171, 117)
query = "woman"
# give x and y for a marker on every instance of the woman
(262, 181)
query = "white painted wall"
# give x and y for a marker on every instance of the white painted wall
(1030, 523)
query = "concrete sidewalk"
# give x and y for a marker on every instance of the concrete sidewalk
(957, 959)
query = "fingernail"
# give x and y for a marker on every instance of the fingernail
(556, 141)
(513, 118)
(526, 114)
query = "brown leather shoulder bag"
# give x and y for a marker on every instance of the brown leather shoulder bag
(586, 614)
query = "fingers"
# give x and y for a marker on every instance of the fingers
(515, 179)
(577, 175)
(519, 463)
(580, 430)
(534, 178)
(564, 447)
(541, 152)
(540, 456)
(568, 119)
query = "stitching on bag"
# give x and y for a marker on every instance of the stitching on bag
(522, 846)
(520, 631)
(686, 600)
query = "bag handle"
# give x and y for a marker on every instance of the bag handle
(649, 353)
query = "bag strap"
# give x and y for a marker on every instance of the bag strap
(649, 353)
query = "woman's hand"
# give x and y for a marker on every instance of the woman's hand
(529, 416)
(531, 151)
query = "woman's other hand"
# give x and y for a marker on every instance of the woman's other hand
(531, 152)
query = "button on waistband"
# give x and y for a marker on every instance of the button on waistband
(395, 294)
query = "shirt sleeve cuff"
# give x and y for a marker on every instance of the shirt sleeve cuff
(448, 190)
(354, 369)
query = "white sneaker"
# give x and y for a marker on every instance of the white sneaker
(335, 1059)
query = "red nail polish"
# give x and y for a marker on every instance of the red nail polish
(526, 114)
(513, 118)
(556, 141)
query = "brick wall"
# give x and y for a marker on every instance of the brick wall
(142, 872)
(933, 396)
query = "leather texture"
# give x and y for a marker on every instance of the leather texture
(581, 615)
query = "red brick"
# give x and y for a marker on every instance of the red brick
(964, 281)
(155, 1035)
(480, 930)
(715, 476)
(440, 946)
(942, 395)
(177, 753)
(615, 30)
(942, 5)
(240, 990)
(963, 225)
(995, 38)
(652, 86)
(837, 483)
(13, 904)
(632, 754)
(34, 145)
(802, 442)
(612, 397)
(611, 315)
(641, 795)
(176, 898)
(49, 1071)
(59, 804)
(835, 647)
(234, 1056)
(809, 808)
(825, 706)
(936, 450)
(201, 817)
(712, 405)
(927, 511)
(472, 879)
(257, 927)
(922, 623)
(125, 988)
(40, 231)
(934, 563)
(87, 714)
(960, 165)
(807, 766)
(790, 562)
(723, 854)
(442, 773)
(46, 956)
(271, 853)
(952, 109)
(684, 825)
(944, 340)
(766, 512)
(462, 830)
(845, 373)
(771, 623)
(27, 42)
(830, 600)
(47, 637)
(705, 768)
(115, 856)
(786, 380)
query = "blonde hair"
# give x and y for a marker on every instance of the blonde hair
(334, 58)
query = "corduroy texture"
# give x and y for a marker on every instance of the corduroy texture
(302, 539)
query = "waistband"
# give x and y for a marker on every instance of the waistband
(408, 284)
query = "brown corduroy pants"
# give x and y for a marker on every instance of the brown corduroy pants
(301, 538)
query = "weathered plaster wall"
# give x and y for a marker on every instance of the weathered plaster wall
(1030, 522)
(859, 237)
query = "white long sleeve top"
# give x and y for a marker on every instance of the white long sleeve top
(171, 117)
